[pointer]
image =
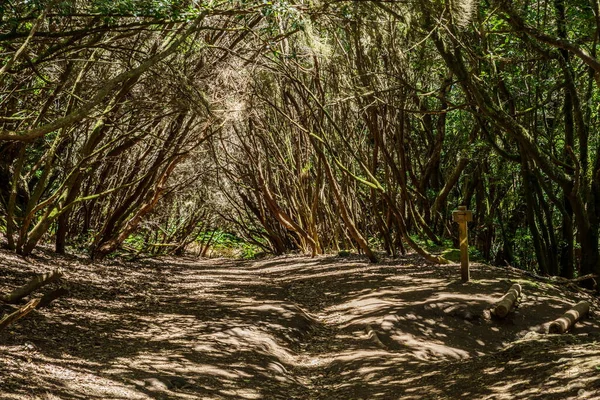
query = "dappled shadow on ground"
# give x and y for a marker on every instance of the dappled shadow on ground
(291, 328)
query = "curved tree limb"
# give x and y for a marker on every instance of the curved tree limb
(108, 87)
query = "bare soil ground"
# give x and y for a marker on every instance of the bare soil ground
(291, 328)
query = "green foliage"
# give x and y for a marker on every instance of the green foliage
(344, 253)
(451, 255)
(158, 9)
(220, 238)
(524, 254)
(250, 251)
(226, 244)
(432, 246)
(454, 254)
(135, 241)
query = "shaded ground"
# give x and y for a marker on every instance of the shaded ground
(291, 328)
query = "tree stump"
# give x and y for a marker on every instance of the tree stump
(568, 320)
(507, 301)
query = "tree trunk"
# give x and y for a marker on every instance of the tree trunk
(114, 242)
(354, 232)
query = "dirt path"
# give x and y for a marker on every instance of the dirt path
(291, 328)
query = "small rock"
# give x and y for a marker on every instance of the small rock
(531, 335)
(155, 384)
(486, 314)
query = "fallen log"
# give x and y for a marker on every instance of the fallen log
(570, 283)
(35, 283)
(578, 279)
(568, 320)
(507, 301)
(20, 313)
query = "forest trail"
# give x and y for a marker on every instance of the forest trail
(291, 328)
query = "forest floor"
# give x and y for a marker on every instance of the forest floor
(291, 328)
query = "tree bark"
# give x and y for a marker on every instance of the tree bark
(35, 283)
(507, 301)
(114, 242)
(281, 216)
(20, 313)
(570, 318)
(354, 232)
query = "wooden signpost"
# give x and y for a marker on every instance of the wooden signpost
(462, 216)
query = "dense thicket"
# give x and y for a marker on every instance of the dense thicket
(310, 126)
